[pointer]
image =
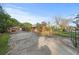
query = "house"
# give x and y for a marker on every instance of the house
(34, 29)
(13, 29)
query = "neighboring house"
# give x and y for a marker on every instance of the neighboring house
(13, 29)
(46, 30)
(34, 29)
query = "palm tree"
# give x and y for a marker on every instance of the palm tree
(77, 20)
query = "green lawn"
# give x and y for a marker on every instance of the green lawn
(65, 34)
(4, 43)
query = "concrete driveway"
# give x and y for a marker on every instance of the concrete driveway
(28, 43)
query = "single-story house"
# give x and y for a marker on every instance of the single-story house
(14, 29)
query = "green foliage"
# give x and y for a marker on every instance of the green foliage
(4, 43)
(77, 23)
(65, 34)
(77, 20)
(6, 21)
(26, 26)
(38, 26)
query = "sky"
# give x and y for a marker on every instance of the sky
(38, 12)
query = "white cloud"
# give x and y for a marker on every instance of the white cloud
(23, 16)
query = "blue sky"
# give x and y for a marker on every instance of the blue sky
(33, 13)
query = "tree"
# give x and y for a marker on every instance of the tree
(2, 20)
(6, 21)
(27, 26)
(62, 22)
(77, 20)
(38, 26)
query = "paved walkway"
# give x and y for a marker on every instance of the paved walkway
(27, 43)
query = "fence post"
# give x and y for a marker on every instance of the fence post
(71, 34)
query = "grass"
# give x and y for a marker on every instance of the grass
(4, 43)
(65, 34)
